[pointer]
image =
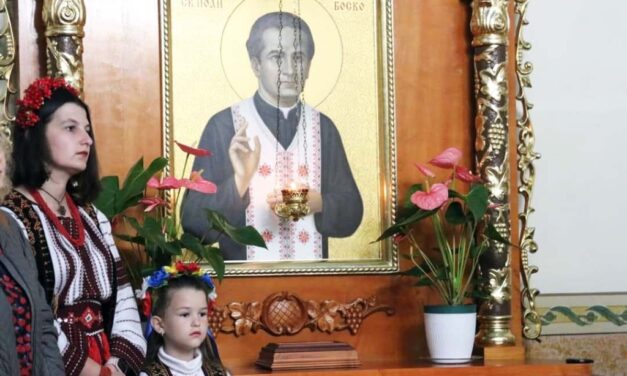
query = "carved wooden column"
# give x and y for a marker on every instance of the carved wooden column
(64, 20)
(8, 51)
(489, 26)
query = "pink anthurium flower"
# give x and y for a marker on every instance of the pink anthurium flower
(152, 202)
(193, 151)
(432, 199)
(425, 171)
(447, 159)
(168, 182)
(464, 174)
(197, 183)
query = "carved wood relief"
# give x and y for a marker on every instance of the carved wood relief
(284, 313)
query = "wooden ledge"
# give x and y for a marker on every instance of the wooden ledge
(489, 368)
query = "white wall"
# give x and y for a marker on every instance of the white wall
(580, 95)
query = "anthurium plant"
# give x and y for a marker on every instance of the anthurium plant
(458, 218)
(158, 235)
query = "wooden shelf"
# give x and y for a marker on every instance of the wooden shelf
(489, 368)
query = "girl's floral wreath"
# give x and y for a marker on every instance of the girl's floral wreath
(35, 96)
(160, 278)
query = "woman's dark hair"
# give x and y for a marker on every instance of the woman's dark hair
(31, 152)
(161, 300)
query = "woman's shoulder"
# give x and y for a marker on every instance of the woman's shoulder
(16, 201)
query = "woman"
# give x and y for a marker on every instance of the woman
(84, 279)
(30, 347)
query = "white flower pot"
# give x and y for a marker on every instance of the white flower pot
(450, 332)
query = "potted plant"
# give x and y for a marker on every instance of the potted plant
(462, 234)
(157, 236)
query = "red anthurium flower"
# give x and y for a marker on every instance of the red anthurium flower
(193, 151)
(434, 198)
(152, 202)
(168, 182)
(425, 171)
(186, 267)
(463, 174)
(447, 159)
(197, 183)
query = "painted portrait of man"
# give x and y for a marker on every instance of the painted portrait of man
(270, 140)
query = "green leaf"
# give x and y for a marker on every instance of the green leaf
(492, 233)
(423, 281)
(132, 239)
(400, 225)
(412, 189)
(105, 202)
(136, 180)
(210, 254)
(244, 235)
(477, 201)
(455, 214)
(156, 242)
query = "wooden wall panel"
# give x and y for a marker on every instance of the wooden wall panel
(434, 111)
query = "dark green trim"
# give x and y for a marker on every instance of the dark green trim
(593, 314)
(462, 308)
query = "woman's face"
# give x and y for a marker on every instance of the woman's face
(68, 135)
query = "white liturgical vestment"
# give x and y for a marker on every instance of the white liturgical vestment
(279, 167)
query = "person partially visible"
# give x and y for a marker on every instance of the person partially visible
(179, 344)
(79, 266)
(28, 338)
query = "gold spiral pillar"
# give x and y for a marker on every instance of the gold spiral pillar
(490, 25)
(8, 91)
(64, 20)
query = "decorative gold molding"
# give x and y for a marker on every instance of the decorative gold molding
(64, 20)
(489, 25)
(284, 313)
(532, 325)
(8, 91)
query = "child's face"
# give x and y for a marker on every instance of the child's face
(184, 323)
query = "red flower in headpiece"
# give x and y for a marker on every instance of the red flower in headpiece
(147, 304)
(35, 96)
(182, 267)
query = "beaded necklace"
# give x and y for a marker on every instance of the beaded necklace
(77, 241)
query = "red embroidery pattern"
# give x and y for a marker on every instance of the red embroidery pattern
(22, 321)
(265, 170)
(303, 171)
(303, 236)
(316, 153)
(267, 235)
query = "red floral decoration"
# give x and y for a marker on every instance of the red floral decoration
(35, 96)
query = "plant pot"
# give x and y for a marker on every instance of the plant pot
(450, 331)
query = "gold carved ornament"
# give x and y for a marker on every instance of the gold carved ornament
(489, 25)
(532, 326)
(284, 313)
(8, 91)
(65, 20)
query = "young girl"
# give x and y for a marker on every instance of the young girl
(177, 342)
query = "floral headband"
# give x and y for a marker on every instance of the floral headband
(35, 96)
(160, 278)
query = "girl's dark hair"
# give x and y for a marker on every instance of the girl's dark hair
(161, 300)
(31, 152)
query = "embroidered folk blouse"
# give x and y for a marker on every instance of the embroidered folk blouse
(86, 285)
